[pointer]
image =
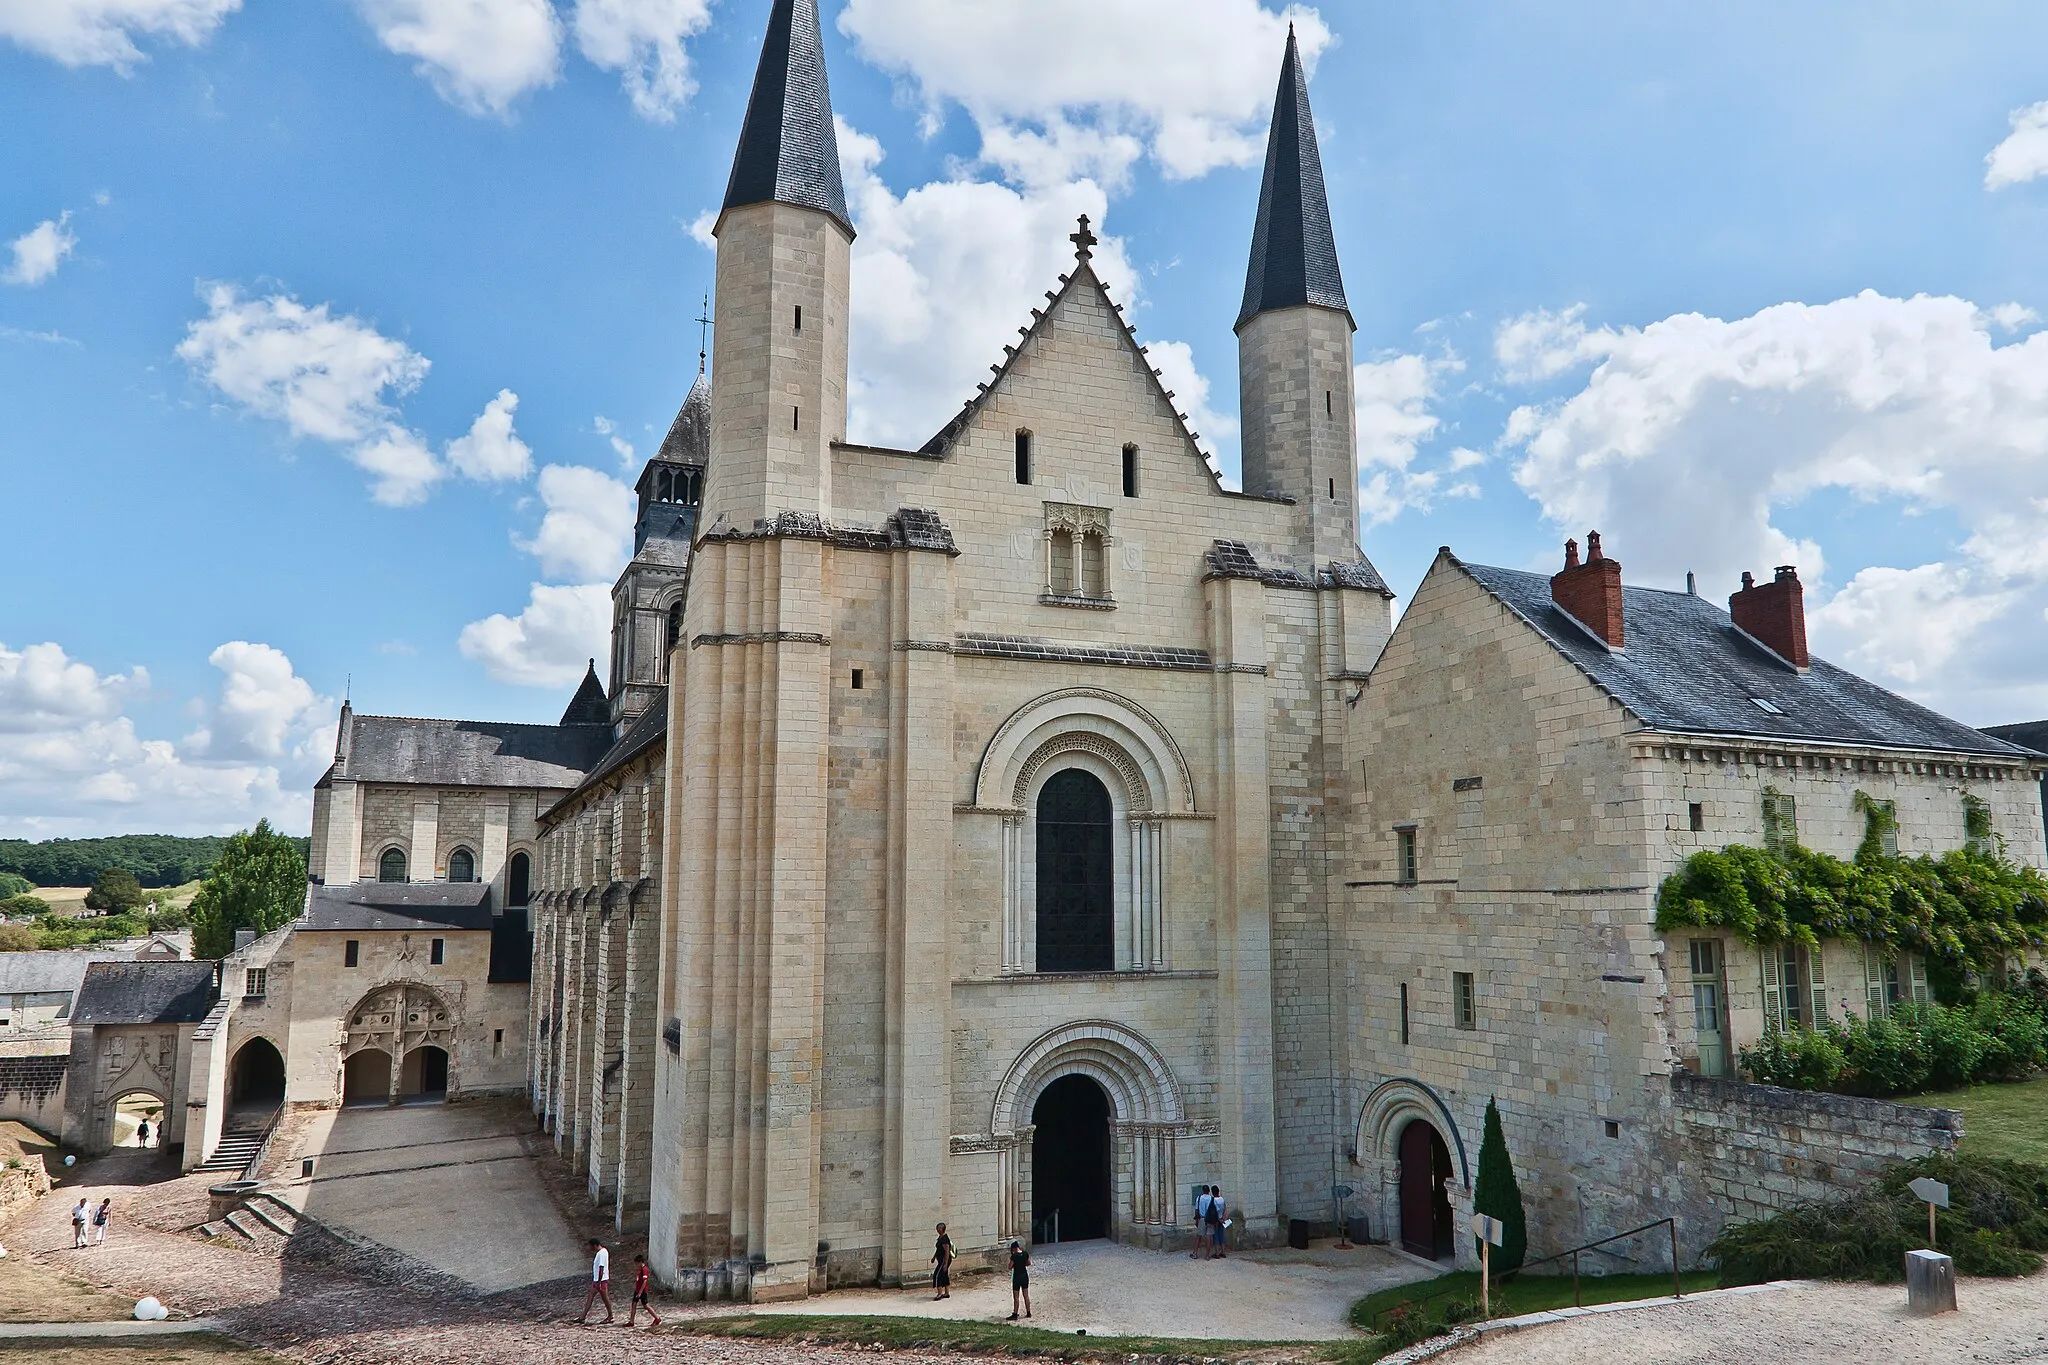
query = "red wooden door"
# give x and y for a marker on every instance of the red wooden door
(1418, 1202)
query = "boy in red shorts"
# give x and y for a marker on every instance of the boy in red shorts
(643, 1286)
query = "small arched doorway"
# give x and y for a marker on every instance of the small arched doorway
(1076, 874)
(1425, 1197)
(256, 1077)
(137, 1120)
(1070, 1161)
(366, 1077)
(519, 881)
(424, 1074)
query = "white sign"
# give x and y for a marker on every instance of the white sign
(1930, 1191)
(1487, 1229)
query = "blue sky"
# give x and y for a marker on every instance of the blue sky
(256, 246)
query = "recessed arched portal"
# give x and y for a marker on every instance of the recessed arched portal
(256, 1077)
(424, 1074)
(1425, 1202)
(366, 1077)
(1076, 874)
(1070, 1161)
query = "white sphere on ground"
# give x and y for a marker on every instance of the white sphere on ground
(149, 1310)
(70, 1161)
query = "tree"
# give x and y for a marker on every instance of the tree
(13, 884)
(1498, 1196)
(18, 938)
(115, 890)
(259, 883)
(24, 907)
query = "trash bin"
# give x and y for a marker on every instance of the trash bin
(1297, 1233)
(1358, 1229)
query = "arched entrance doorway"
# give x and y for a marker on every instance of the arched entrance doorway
(1425, 1200)
(1070, 1161)
(132, 1112)
(424, 1074)
(366, 1077)
(256, 1077)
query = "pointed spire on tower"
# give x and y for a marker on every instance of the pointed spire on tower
(788, 153)
(588, 706)
(1294, 252)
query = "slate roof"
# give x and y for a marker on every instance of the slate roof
(466, 753)
(1685, 668)
(788, 153)
(588, 706)
(369, 906)
(144, 993)
(648, 729)
(44, 973)
(689, 436)
(2031, 734)
(1294, 251)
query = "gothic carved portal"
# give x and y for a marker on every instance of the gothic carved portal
(411, 1025)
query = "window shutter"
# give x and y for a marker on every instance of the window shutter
(1819, 981)
(1873, 982)
(1917, 977)
(1774, 1003)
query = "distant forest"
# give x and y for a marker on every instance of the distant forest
(155, 859)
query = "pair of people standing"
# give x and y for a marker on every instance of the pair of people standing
(87, 1216)
(1212, 1221)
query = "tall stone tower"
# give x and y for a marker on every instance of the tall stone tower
(647, 601)
(779, 388)
(1294, 340)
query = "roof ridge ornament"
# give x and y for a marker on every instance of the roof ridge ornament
(1084, 242)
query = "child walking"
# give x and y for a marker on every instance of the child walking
(643, 1289)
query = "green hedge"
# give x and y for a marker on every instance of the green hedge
(1996, 1224)
(1998, 1036)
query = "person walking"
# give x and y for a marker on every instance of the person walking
(142, 1133)
(1201, 1251)
(1020, 1279)
(99, 1222)
(79, 1216)
(942, 1266)
(643, 1291)
(1217, 1223)
(600, 1281)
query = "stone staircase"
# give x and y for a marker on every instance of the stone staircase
(263, 1222)
(239, 1145)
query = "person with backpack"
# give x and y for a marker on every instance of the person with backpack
(99, 1222)
(1201, 1251)
(1217, 1223)
(142, 1133)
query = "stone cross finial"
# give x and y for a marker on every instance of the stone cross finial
(1083, 241)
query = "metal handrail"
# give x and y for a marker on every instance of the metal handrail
(1677, 1288)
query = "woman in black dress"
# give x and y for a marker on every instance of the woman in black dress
(1020, 1279)
(942, 1265)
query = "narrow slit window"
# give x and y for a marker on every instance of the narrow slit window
(1333, 490)
(1404, 1014)
(796, 419)
(437, 952)
(1329, 408)
(1465, 999)
(1696, 817)
(799, 317)
(1406, 867)
(860, 679)
(497, 1042)
(352, 953)
(1130, 471)
(1023, 457)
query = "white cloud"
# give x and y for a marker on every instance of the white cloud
(1694, 435)
(2023, 155)
(480, 55)
(642, 40)
(1057, 94)
(1393, 400)
(39, 251)
(1542, 345)
(103, 32)
(623, 448)
(325, 377)
(587, 531)
(549, 643)
(72, 763)
(492, 450)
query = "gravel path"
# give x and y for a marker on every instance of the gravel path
(1818, 1324)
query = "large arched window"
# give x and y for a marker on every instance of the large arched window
(461, 866)
(519, 881)
(391, 867)
(1076, 875)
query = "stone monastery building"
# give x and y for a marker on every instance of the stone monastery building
(1021, 830)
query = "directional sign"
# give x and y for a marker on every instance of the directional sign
(1487, 1229)
(1930, 1191)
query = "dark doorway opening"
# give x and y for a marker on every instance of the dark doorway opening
(257, 1077)
(424, 1074)
(1425, 1193)
(366, 1077)
(1076, 875)
(1070, 1162)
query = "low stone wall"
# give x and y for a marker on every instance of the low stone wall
(32, 1074)
(23, 1184)
(1747, 1151)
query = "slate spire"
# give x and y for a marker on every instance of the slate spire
(1294, 253)
(588, 706)
(788, 153)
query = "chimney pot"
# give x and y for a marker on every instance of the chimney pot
(1590, 592)
(1774, 614)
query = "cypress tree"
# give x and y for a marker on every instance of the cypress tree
(1498, 1196)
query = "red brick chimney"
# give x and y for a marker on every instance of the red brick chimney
(1591, 591)
(1774, 613)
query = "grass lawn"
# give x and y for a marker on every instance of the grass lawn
(990, 1338)
(2008, 1121)
(1527, 1293)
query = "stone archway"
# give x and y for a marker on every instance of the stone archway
(1147, 1114)
(395, 1020)
(256, 1075)
(1418, 1175)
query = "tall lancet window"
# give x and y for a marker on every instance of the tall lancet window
(1076, 875)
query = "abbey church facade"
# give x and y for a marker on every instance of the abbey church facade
(992, 832)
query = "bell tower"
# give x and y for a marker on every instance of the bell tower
(1294, 341)
(647, 601)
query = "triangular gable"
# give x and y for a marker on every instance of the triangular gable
(1083, 277)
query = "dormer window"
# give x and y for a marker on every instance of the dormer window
(1765, 704)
